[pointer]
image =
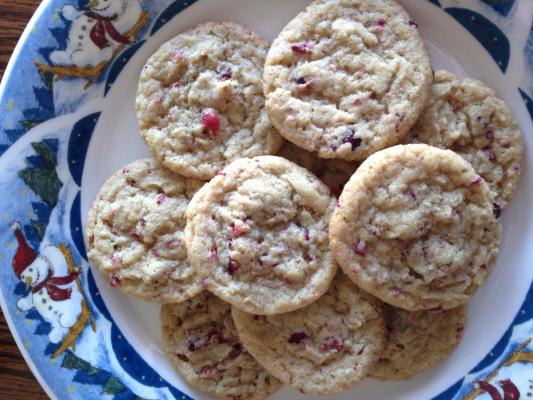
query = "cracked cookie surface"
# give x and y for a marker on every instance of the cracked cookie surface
(466, 116)
(200, 102)
(415, 226)
(417, 341)
(257, 235)
(323, 348)
(135, 232)
(201, 341)
(346, 78)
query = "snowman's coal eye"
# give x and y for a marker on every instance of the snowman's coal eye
(31, 269)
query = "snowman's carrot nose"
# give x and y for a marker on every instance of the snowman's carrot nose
(28, 282)
(93, 3)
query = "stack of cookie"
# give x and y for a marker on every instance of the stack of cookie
(242, 247)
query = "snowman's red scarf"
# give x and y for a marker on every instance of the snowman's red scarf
(103, 25)
(50, 284)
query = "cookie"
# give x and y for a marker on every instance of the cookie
(257, 235)
(466, 116)
(201, 341)
(200, 102)
(333, 172)
(323, 348)
(135, 232)
(415, 227)
(346, 78)
(417, 341)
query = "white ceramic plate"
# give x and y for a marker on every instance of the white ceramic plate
(66, 128)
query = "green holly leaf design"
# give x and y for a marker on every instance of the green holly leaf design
(44, 182)
(72, 361)
(113, 386)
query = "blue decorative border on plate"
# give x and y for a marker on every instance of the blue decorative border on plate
(44, 160)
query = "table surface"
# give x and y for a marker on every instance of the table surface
(16, 380)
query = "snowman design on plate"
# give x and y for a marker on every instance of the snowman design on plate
(52, 282)
(96, 33)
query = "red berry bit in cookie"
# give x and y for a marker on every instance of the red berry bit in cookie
(333, 343)
(211, 124)
(496, 208)
(114, 281)
(477, 181)
(359, 248)
(171, 244)
(160, 198)
(208, 371)
(235, 351)
(233, 266)
(226, 74)
(198, 343)
(135, 234)
(354, 141)
(303, 48)
(459, 332)
(490, 155)
(411, 193)
(413, 23)
(212, 254)
(297, 337)
(238, 228)
(306, 234)
(178, 54)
